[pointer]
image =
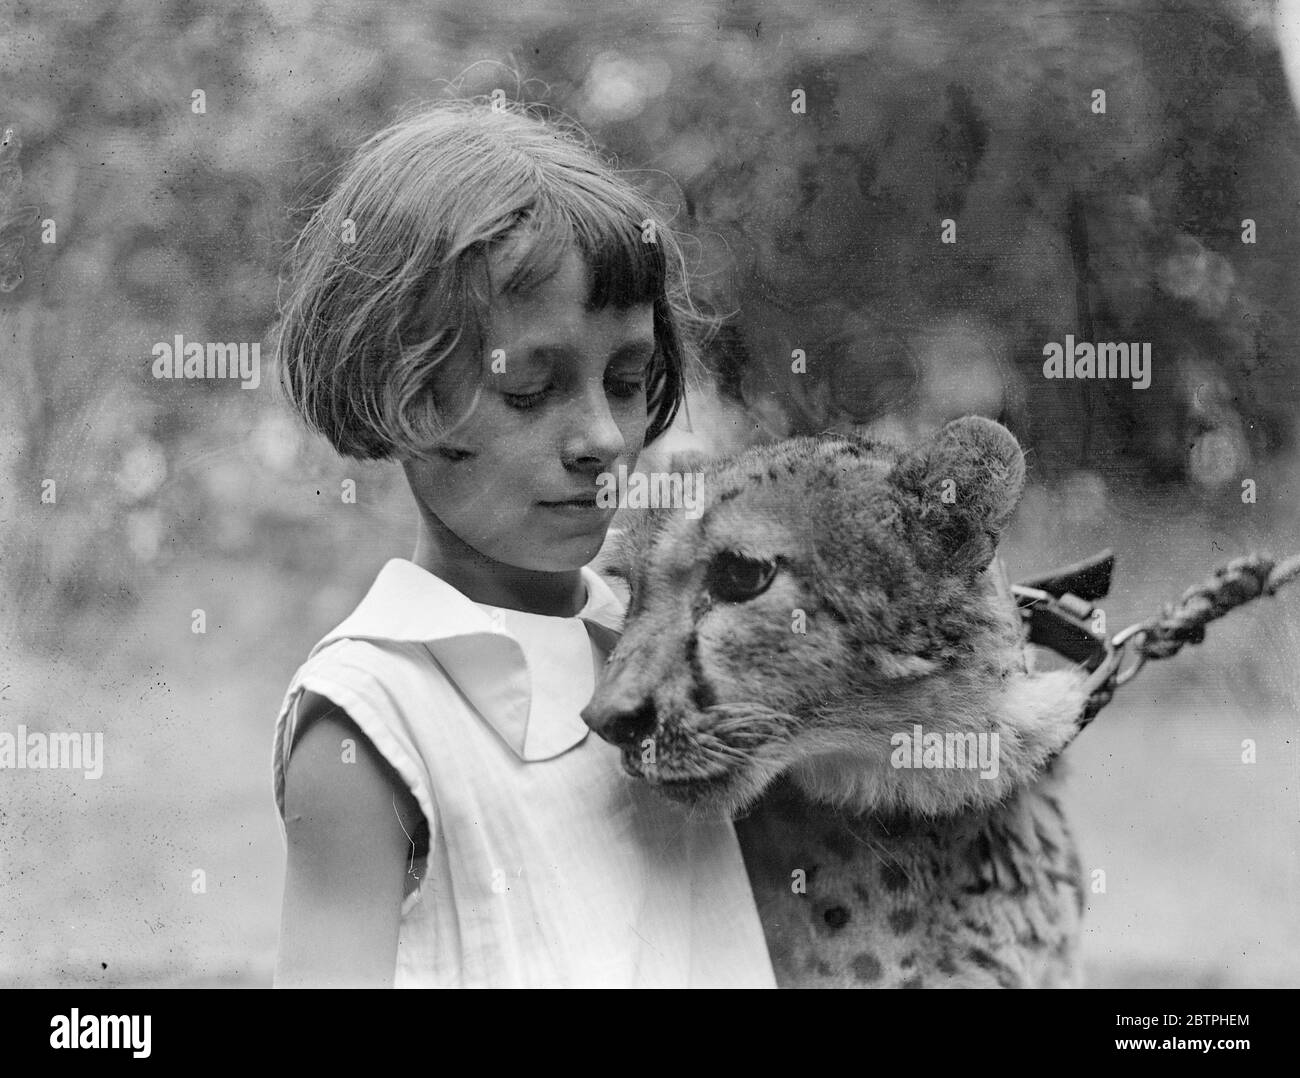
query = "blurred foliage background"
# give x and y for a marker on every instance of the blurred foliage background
(817, 231)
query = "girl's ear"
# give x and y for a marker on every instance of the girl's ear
(963, 486)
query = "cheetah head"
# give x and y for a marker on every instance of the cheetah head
(832, 592)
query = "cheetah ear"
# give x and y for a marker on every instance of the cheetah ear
(965, 483)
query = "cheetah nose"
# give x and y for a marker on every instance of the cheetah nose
(622, 725)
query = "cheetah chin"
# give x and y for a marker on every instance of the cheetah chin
(833, 595)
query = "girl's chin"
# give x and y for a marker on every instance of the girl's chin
(563, 555)
(575, 553)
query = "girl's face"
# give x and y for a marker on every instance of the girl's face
(563, 399)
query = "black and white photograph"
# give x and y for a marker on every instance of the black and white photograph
(726, 494)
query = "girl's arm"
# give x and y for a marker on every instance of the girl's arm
(347, 825)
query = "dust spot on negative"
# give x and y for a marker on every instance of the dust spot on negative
(867, 968)
(902, 921)
(894, 878)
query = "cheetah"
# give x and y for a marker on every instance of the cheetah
(836, 595)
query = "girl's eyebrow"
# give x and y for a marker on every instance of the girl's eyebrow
(642, 347)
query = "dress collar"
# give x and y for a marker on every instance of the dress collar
(407, 604)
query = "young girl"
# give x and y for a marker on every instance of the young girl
(483, 300)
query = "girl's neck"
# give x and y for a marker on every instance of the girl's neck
(446, 556)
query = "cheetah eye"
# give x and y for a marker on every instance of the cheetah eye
(736, 579)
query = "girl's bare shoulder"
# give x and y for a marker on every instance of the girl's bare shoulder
(338, 784)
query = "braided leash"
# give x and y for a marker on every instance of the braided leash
(1240, 581)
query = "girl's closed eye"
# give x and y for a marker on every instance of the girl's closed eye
(524, 401)
(624, 385)
(627, 385)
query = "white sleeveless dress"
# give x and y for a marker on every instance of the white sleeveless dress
(547, 867)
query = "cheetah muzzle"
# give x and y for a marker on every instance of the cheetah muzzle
(786, 652)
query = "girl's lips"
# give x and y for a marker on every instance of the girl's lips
(575, 503)
(579, 514)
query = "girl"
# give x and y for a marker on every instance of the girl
(483, 300)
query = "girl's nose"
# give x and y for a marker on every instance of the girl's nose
(595, 437)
